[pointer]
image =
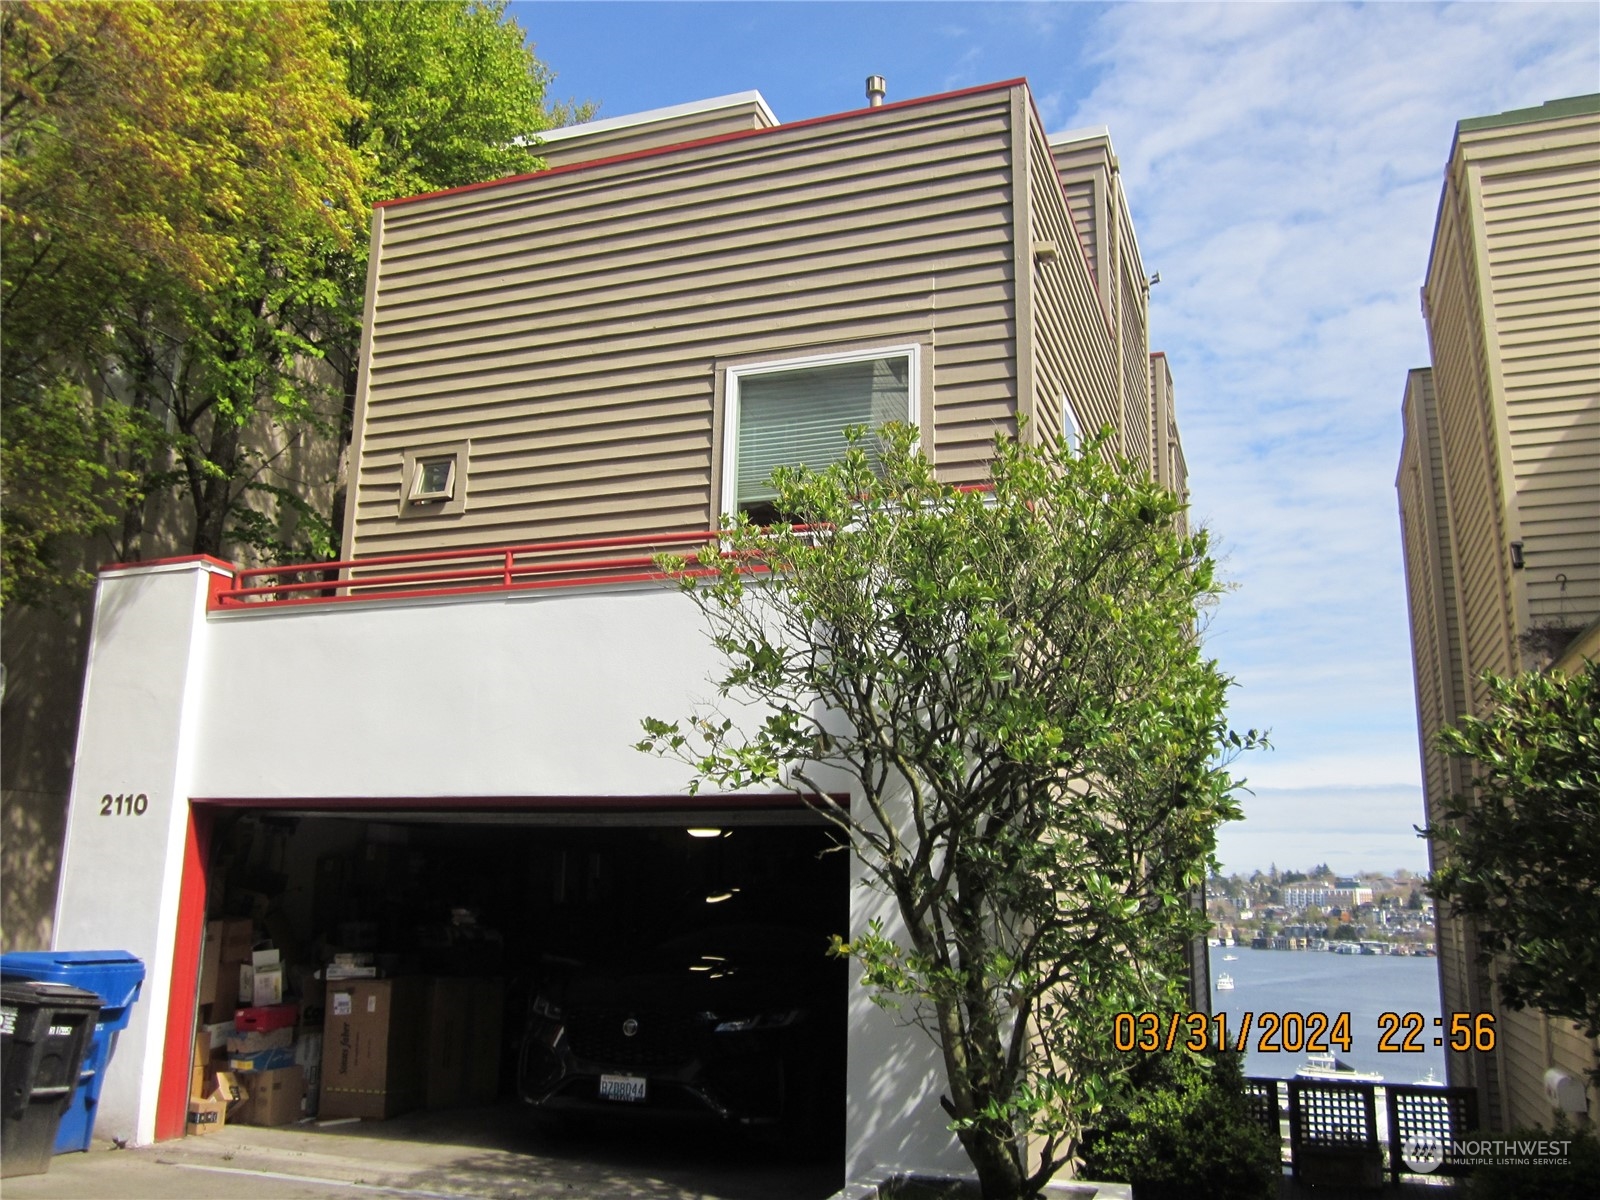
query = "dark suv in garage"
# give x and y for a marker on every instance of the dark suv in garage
(740, 1024)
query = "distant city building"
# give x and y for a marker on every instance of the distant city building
(1322, 897)
(1500, 495)
(1305, 897)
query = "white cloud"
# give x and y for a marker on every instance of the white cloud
(1351, 829)
(1284, 165)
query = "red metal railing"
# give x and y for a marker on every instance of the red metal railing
(524, 567)
(460, 572)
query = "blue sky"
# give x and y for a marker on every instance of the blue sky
(1284, 164)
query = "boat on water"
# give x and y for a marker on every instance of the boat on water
(1327, 1067)
(1224, 982)
(1430, 1080)
(1230, 958)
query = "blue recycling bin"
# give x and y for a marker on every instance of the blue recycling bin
(115, 976)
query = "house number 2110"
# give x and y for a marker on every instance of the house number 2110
(124, 806)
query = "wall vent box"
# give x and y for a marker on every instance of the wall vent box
(373, 1048)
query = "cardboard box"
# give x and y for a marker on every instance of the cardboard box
(200, 1065)
(372, 1048)
(263, 1060)
(449, 1012)
(482, 1085)
(267, 1017)
(243, 1045)
(275, 1098)
(267, 987)
(227, 942)
(463, 1042)
(207, 1116)
(226, 1086)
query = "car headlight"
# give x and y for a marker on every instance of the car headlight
(773, 1020)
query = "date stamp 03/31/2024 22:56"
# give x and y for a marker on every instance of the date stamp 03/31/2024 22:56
(1295, 1032)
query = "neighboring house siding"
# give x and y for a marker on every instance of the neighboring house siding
(1501, 456)
(1470, 449)
(570, 325)
(1084, 167)
(1430, 587)
(1087, 168)
(1138, 438)
(1540, 215)
(1080, 194)
(1073, 353)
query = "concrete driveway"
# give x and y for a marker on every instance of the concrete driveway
(479, 1153)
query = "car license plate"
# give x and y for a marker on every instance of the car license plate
(622, 1087)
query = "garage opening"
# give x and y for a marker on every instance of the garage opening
(578, 985)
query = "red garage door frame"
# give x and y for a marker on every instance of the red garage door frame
(172, 1104)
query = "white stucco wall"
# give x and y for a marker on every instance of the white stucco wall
(120, 871)
(531, 694)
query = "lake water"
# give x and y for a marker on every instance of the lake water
(1306, 981)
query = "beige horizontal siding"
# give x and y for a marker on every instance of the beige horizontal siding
(1468, 450)
(1084, 170)
(1074, 355)
(1542, 245)
(1133, 347)
(1511, 296)
(1080, 195)
(1421, 604)
(571, 325)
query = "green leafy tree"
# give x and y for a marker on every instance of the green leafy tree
(1011, 683)
(1188, 1132)
(1521, 853)
(186, 186)
(148, 151)
(441, 94)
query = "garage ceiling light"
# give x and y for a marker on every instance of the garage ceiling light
(705, 833)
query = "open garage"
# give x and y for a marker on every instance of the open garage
(643, 987)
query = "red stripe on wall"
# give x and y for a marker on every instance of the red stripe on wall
(172, 1101)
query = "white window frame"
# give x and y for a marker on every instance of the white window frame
(433, 505)
(419, 495)
(911, 351)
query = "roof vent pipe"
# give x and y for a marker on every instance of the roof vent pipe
(876, 90)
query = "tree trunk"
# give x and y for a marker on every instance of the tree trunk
(999, 1177)
(213, 499)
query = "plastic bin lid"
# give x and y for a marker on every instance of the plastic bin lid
(47, 995)
(115, 975)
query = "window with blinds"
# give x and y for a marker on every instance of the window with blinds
(797, 417)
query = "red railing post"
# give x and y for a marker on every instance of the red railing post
(508, 567)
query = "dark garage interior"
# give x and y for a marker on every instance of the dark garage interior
(578, 986)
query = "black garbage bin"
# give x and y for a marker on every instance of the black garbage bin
(45, 1030)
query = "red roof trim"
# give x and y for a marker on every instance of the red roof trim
(716, 139)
